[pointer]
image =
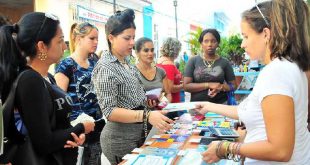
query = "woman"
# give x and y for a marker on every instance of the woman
(275, 113)
(152, 77)
(207, 77)
(120, 94)
(39, 102)
(169, 52)
(73, 75)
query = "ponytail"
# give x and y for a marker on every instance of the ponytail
(11, 58)
(72, 38)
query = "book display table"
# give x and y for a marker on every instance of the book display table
(183, 144)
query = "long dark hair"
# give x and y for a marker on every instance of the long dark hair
(119, 22)
(17, 42)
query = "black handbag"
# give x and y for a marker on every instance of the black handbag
(18, 148)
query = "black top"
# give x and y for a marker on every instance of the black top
(36, 101)
(220, 71)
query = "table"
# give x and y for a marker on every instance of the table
(187, 147)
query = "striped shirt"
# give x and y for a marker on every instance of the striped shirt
(116, 85)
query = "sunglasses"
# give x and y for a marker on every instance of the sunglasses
(148, 50)
(47, 15)
(265, 19)
(82, 28)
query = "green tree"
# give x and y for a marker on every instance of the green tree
(230, 48)
(194, 41)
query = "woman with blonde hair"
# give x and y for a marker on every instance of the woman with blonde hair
(73, 75)
(275, 113)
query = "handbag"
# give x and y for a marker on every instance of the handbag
(18, 148)
(231, 100)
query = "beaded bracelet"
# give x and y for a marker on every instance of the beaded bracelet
(145, 123)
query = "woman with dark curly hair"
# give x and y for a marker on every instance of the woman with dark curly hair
(120, 93)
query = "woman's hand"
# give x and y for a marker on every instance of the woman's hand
(88, 126)
(201, 107)
(215, 85)
(212, 92)
(214, 89)
(77, 141)
(160, 121)
(209, 156)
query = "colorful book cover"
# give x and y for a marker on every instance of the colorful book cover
(152, 160)
(164, 152)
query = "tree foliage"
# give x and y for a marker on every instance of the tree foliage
(194, 41)
(230, 48)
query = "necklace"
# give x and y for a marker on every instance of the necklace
(207, 63)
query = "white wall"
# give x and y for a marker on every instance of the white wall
(63, 9)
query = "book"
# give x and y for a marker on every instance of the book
(154, 94)
(164, 152)
(152, 160)
(186, 106)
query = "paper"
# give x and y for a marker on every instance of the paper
(148, 143)
(82, 118)
(137, 150)
(130, 156)
(172, 107)
(80, 155)
(194, 140)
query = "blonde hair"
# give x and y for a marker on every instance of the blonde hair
(82, 30)
(289, 25)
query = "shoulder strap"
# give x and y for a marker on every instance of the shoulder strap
(8, 105)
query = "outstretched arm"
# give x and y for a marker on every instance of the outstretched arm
(225, 110)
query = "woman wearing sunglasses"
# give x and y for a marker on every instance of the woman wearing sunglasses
(152, 77)
(275, 113)
(73, 75)
(120, 94)
(44, 108)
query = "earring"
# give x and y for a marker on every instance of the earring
(42, 56)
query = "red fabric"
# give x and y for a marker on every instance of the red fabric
(174, 75)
